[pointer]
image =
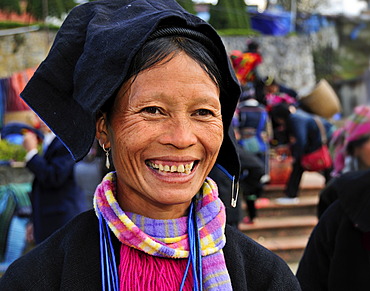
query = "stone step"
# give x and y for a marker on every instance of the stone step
(276, 191)
(285, 229)
(290, 249)
(285, 236)
(307, 205)
(311, 185)
(286, 226)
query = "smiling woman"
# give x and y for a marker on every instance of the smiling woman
(153, 84)
(155, 124)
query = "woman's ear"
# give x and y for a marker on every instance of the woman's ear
(102, 130)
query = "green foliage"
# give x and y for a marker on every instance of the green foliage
(10, 24)
(10, 6)
(229, 14)
(11, 152)
(238, 32)
(39, 8)
(54, 7)
(219, 14)
(324, 62)
(188, 5)
(241, 15)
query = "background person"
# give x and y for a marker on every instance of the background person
(251, 186)
(350, 145)
(304, 137)
(271, 86)
(250, 124)
(164, 128)
(336, 257)
(246, 63)
(350, 142)
(55, 196)
(15, 212)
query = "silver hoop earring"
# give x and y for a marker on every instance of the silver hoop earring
(107, 163)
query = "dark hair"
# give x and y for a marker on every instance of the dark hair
(280, 111)
(156, 50)
(252, 46)
(356, 144)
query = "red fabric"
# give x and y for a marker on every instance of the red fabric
(142, 272)
(317, 160)
(273, 100)
(17, 82)
(244, 64)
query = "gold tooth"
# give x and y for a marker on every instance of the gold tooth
(173, 169)
(189, 166)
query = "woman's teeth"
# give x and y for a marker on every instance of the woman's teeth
(179, 169)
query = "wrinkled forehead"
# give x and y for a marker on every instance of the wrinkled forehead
(165, 82)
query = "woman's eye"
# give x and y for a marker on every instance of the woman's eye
(204, 112)
(151, 110)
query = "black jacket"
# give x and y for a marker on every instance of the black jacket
(337, 256)
(69, 260)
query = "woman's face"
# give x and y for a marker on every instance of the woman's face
(271, 89)
(362, 153)
(165, 133)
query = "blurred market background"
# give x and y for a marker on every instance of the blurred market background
(303, 42)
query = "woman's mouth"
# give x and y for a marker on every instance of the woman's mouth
(171, 168)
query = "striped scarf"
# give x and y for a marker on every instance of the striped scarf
(169, 238)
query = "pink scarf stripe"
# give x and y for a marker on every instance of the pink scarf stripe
(140, 272)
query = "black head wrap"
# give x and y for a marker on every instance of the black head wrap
(90, 58)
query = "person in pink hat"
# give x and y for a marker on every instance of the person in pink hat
(350, 145)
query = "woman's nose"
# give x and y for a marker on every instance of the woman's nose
(179, 133)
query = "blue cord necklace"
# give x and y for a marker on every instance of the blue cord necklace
(195, 256)
(108, 260)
